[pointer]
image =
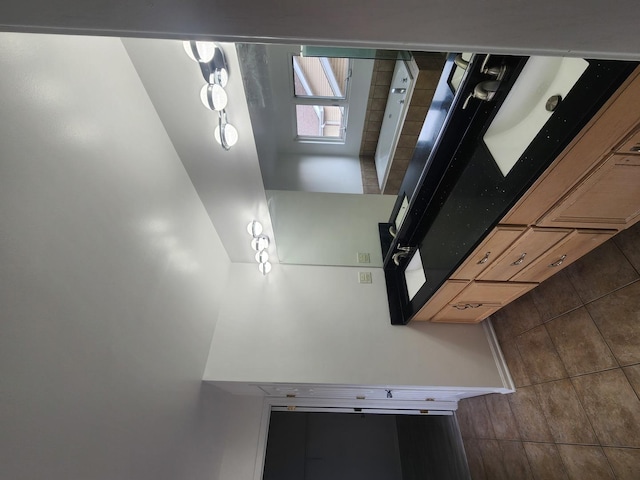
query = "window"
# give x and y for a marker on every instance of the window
(320, 97)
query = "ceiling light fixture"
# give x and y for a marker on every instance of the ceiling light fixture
(260, 243)
(213, 65)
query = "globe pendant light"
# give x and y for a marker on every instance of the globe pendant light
(201, 52)
(214, 97)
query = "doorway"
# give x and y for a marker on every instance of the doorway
(346, 446)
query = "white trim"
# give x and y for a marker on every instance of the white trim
(382, 411)
(331, 77)
(503, 369)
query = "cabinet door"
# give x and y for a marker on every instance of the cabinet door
(445, 295)
(533, 243)
(608, 198)
(571, 248)
(631, 144)
(496, 242)
(465, 313)
(480, 299)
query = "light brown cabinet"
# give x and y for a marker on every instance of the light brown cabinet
(445, 294)
(523, 252)
(496, 242)
(563, 254)
(608, 198)
(589, 193)
(479, 300)
(631, 145)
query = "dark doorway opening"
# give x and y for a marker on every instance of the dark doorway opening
(342, 446)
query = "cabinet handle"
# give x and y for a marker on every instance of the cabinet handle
(467, 305)
(484, 259)
(519, 260)
(559, 262)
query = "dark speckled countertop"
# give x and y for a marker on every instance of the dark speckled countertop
(456, 190)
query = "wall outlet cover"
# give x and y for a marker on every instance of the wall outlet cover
(364, 277)
(364, 257)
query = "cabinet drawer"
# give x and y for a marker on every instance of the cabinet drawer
(533, 243)
(480, 299)
(567, 251)
(608, 198)
(467, 313)
(496, 242)
(631, 145)
(445, 295)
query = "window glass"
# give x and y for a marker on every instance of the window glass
(323, 121)
(320, 77)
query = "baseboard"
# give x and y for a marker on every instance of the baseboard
(503, 369)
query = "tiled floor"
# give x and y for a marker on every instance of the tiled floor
(573, 348)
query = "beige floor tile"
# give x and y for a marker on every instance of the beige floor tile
(629, 242)
(474, 459)
(515, 460)
(585, 462)
(555, 296)
(539, 356)
(565, 416)
(464, 415)
(514, 362)
(625, 462)
(618, 318)
(480, 418)
(545, 461)
(518, 317)
(612, 407)
(504, 424)
(492, 460)
(579, 343)
(633, 375)
(600, 272)
(531, 422)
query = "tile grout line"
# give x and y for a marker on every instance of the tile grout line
(586, 414)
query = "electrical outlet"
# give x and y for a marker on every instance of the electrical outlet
(364, 257)
(364, 277)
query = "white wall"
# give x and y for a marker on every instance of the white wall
(303, 324)
(315, 173)
(328, 228)
(111, 280)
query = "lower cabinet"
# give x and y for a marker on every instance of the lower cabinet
(567, 251)
(523, 252)
(608, 198)
(471, 302)
(591, 192)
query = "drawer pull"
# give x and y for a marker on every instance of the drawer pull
(519, 260)
(559, 262)
(484, 259)
(467, 305)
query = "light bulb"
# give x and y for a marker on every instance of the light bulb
(254, 228)
(262, 257)
(213, 97)
(260, 243)
(221, 76)
(230, 135)
(201, 52)
(264, 268)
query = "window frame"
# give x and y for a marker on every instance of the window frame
(319, 101)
